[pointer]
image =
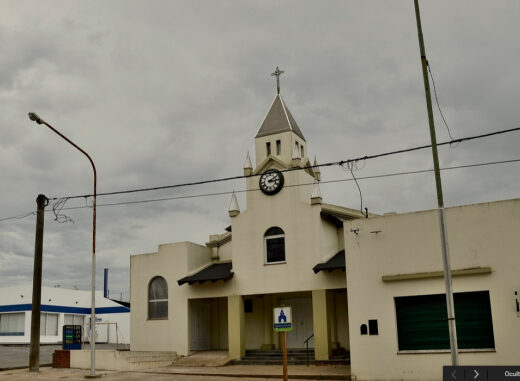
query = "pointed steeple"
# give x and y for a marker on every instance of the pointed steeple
(278, 119)
(234, 209)
(316, 194)
(248, 166)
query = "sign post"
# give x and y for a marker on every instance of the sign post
(282, 322)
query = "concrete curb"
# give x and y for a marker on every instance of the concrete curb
(23, 367)
(270, 376)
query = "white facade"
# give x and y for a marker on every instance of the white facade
(235, 312)
(399, 255)
(59, 307)
(393, 276)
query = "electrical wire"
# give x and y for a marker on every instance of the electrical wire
(329, 164)
(379, 176)
(33, 213)
(437, 100)
(57, 208)
(384, 175)
(350, 167)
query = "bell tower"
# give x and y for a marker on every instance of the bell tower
(282, 162)
(279, 135)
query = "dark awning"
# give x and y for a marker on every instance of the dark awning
(212, 273)
(337, 262)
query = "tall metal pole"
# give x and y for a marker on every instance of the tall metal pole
(34, 117)
(440, 201)
(34, 352)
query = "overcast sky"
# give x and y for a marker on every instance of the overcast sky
(166, 92)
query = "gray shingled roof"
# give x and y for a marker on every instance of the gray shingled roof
(279, 119)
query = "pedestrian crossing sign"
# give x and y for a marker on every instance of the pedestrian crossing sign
(282, 319)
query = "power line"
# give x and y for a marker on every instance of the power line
(384, 175)
(329, 164)
(19, 217)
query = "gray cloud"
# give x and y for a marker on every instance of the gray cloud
(169, 92)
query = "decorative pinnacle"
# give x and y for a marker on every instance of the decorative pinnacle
(277, 74)
(316, 169)
(234, 209)
(247, 163)
(316, 190)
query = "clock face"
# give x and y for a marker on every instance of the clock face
(271, 181)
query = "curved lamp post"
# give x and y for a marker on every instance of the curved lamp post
(34, 117)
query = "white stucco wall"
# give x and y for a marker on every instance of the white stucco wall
(309, 239)
(287, 140)
(224, 252)
(172, 262)
(479, 235)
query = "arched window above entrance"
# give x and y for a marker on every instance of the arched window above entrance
(158, 298)
(274, 245)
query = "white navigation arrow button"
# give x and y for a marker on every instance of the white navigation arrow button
(476, 374)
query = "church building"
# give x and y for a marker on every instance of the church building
(285, 247)
(371, 285)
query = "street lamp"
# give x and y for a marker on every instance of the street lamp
(34, 117)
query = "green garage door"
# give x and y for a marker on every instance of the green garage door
(422, 321)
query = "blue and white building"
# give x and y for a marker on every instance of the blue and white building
(59, 307)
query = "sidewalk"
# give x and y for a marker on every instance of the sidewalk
(337, 372)
(253, 372)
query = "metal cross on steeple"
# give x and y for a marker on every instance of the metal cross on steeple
(277, 73)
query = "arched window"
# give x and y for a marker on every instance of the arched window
(158, 298)
(274, 245)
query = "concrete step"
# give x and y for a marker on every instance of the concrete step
(274, 357)
(149, 357)
(289, 350)
(290, 354)
(339, 356)
(311, 353)
(271, 362)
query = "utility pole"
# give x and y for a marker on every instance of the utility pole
(34, 353)
(35, 118)
(440, 201)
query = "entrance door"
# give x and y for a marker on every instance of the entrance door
(301, 309)
(200, 339)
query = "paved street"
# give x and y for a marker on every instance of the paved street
(51, 374)
(14, 356)
(18, 356)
